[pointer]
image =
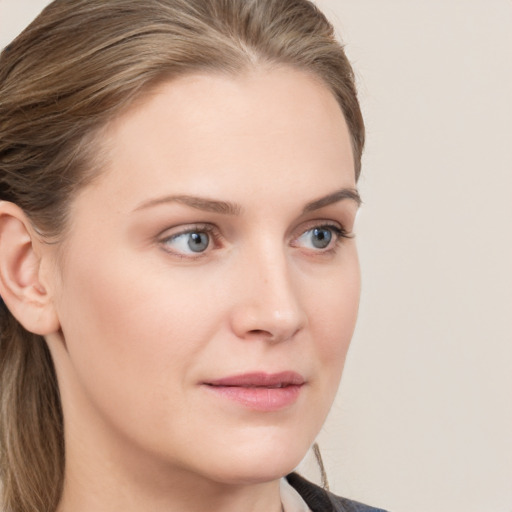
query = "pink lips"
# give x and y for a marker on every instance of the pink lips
(260, 391)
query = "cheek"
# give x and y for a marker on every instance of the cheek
(332, 319)
(134, 325)
(130, 346)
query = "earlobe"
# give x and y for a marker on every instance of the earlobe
(21, 285)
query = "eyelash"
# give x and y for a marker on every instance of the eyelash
(209, 229)
(339, 232)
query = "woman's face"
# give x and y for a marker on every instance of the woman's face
(207, 290)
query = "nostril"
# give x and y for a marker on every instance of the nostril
(272, 336)
(260, 332)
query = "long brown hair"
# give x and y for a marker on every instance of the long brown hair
(77, 66)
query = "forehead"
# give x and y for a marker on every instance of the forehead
(265, 129)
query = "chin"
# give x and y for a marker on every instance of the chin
(253, 474)
(261, 462)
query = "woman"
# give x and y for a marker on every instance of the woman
(178, 186)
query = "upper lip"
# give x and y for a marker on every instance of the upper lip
(260, 379)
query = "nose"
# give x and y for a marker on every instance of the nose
(267, 305)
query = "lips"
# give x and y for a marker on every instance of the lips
(260, 379)
(259, 391)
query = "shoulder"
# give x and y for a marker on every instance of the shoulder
(320, 500)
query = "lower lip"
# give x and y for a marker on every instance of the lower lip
(259, 398)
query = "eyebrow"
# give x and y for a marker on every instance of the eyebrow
(199, 203)
(228, 208)
(335, 197)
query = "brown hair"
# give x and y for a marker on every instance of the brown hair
(77, 66)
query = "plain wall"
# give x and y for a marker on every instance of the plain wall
(423, 420)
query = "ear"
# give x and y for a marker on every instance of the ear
(22, 285)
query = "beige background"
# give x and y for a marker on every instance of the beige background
(423, 422)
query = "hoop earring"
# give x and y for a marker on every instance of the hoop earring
(320, 462)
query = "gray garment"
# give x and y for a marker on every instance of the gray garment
(319, 500)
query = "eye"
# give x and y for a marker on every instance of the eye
(194, 241)
(321, 237)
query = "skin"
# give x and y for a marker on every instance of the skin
(144, 322)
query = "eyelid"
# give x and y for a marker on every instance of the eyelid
(337, 226)
(184, 228)
(169, 234)
(340, 233)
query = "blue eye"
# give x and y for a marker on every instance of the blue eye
(320, 237)
(189, 242)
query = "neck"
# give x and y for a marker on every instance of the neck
(182, 493)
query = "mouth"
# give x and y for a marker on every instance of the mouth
(259, 391)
